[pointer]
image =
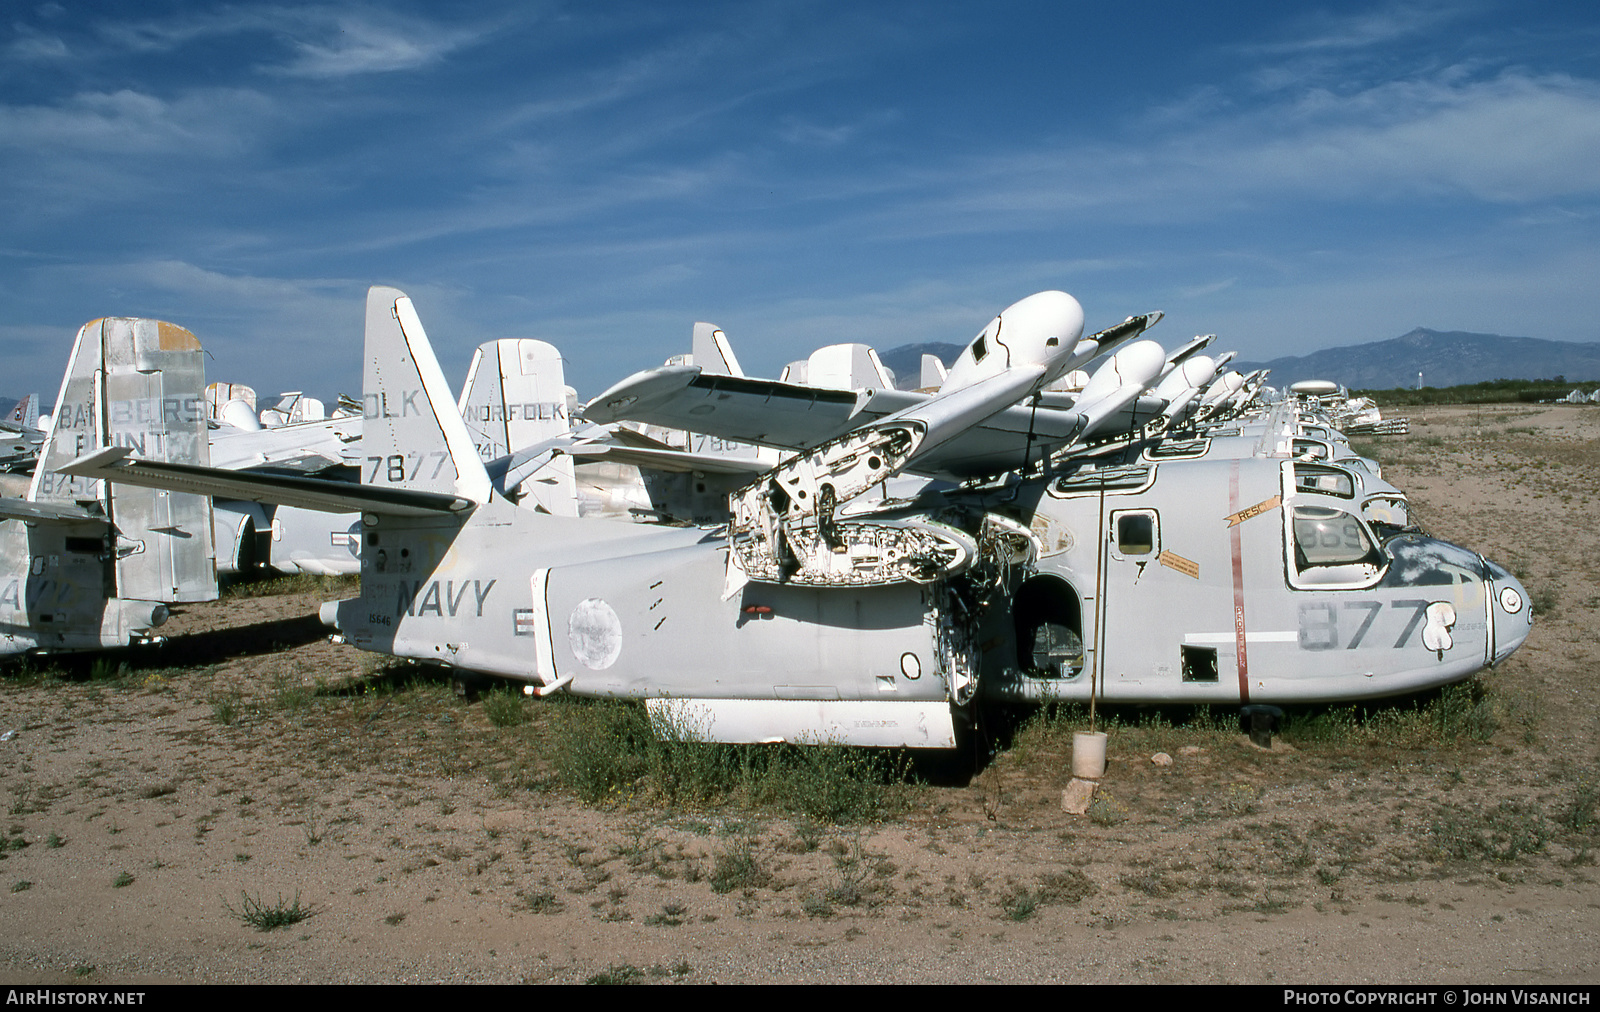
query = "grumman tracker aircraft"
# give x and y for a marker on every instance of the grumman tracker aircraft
(1202, 581)
(85, 565)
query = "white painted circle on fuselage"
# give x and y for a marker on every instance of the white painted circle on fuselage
(595, 634)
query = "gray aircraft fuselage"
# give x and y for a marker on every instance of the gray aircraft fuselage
(1191, 581)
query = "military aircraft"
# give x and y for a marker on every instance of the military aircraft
(85, 565)
(1201, 581)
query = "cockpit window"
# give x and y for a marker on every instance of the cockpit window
(1327, 537)
(1387, 511)
(1310, 448)
(980, 347)
(1320, 478)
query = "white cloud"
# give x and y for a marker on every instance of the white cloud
(130, 121)
(1322, 31)
(35, 47)
(329, 40)
(1515, 139)
(1197, 291)
(354, 45)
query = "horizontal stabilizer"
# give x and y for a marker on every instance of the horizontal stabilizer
(116, 463)
(45, 512)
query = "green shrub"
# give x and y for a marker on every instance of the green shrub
(609, 752)
(262, 917)
(504, 708)
(1503, 833)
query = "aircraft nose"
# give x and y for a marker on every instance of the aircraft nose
(1513, 612)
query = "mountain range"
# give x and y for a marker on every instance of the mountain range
(1445, 358)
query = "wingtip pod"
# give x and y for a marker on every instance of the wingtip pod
(1043, 329)
(1053, 314)
(413, 435)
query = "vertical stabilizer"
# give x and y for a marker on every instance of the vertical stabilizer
(26, 414)
(847, 367)
(139, 384)
(712, 351)
(515, 397)
(412, 435)
(77, 426)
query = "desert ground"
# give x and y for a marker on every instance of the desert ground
(157, 803)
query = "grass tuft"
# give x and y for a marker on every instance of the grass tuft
(737, 868)
(329, 587)
(625, 973)
(609, 753)
(263, 917)
(226, 707)
(504, 708)
(1501, 834)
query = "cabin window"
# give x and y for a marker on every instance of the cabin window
(1135, 533)
(1199, 664)
(1113, 478)
(1169, 449)
(1323, 479)
(1327, 537)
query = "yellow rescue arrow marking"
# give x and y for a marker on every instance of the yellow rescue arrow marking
(1255, 511)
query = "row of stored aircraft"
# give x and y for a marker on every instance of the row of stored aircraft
(840, 561)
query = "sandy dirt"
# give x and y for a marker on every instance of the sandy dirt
(252, 762)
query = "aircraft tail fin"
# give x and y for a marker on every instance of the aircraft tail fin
(515, 397)
(712, 351)
(26, 413)
(136, 384)
(847, 367)
(413, 436)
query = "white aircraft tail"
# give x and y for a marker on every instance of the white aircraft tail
(136, 384)
(515, 397)
(847, 367)
(413, 436)
(712, 351)
(26, 414)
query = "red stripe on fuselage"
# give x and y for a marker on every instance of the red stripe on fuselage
(1235, 539)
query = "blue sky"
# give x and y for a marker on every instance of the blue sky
(601, 175)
